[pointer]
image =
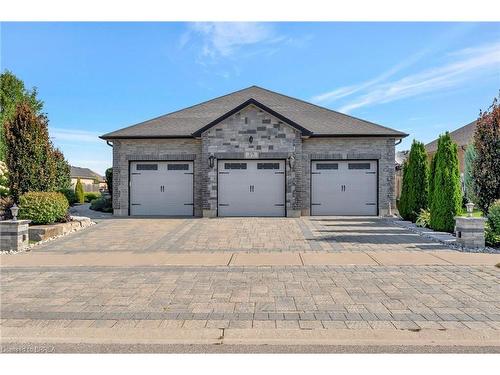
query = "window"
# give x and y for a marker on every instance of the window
(323, 166)
(147, 167)
(178, 167)
(268, 165)
(359, 166)
(235, 165)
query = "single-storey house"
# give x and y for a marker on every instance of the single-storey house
(253, 152)
(462, 137)
(91, 181)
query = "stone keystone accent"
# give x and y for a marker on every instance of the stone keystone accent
(470, 231)
(14, 234)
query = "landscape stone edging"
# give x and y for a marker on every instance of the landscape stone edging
(77, 223)
(446, 239)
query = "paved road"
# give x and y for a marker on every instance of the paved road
(193, 349)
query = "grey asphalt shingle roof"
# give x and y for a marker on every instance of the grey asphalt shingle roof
(461, 136)
(79, 172)
(318, 120)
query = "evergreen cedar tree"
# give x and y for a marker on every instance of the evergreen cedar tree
(32, 161)
(415, 188)
(469, 157)
(109, 180)
(486, 165)
(446, 200)
(79, 193)
(12, 92)
(432, 172)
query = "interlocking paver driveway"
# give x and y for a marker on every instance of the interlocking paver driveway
(305, 297)
(242, 234)
(400, 297)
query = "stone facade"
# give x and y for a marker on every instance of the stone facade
(250, 134)
(470, 231)
(14, 234)
(253, 134)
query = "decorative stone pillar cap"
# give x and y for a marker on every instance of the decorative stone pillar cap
(20, 222)
(467, 218)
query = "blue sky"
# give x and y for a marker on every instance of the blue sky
(421, 78)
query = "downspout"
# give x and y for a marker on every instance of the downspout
(398, 142)
(109, 143)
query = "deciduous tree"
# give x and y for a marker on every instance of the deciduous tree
(12, 92)
(486, 166)
(28, 151)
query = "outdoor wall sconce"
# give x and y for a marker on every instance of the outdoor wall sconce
(250, 139)
(291, 161)
(211, 161)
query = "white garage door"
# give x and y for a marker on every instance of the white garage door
(251, 187)
(344, 188)
(161, 188)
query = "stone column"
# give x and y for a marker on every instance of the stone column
(470, 231)
(14, 234)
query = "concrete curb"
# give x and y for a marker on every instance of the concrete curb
(371, 258)
(366, 337)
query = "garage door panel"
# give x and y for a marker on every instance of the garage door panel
(251, 188)
(161, 188)
(344, 188)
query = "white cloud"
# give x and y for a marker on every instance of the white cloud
(60, 135)
(466, 65)
(225, 38)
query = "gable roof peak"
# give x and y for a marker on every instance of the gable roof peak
(310, 118)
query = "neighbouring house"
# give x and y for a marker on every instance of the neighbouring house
(462, 137)
(401, 157)
(91, 181)
(253, 152)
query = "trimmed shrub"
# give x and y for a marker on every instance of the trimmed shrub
(4, 180)
(424, 218)
(446, 202)
(101, 204)
(43, 207)
(109, 180)
(70, 195)
(79, 193)
(90, 196)
(415, 183)
(494, 217)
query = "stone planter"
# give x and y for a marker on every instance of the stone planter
(44, 232)
(470, 231)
